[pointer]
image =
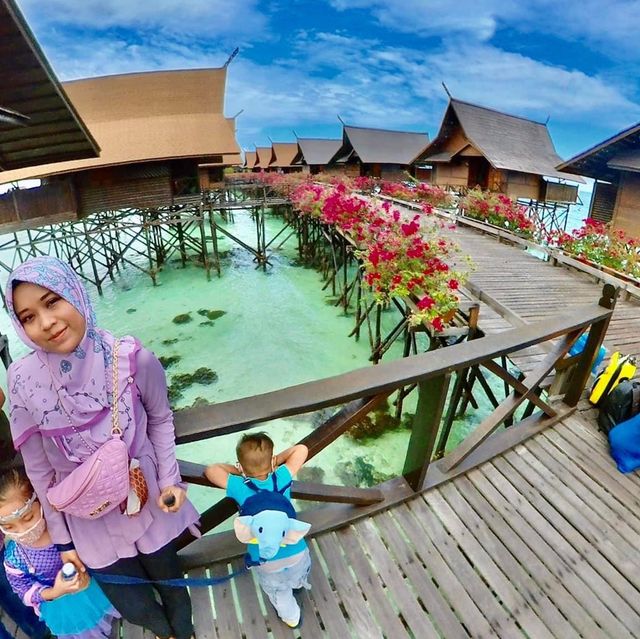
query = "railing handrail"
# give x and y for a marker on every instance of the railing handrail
(240, 414)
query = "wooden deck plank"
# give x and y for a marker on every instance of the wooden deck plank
(432, 599)
(576, 502)
(615, 591)
(597, 466)
(448, 583)
(382, 609)
(556, 576)
(253, 623)
(325, 598)
(627, 522)
(357, 608)
(203, 618)
(405, 597)
(500, 619)
(521, 574)
(225, 607)
(488, 562)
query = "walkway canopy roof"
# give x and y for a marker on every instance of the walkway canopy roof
(264, 155)
(143, 117)
(38, 123)
(284, 153)
(620, 152)
(380, 146)
(316, 151)
(507, 142)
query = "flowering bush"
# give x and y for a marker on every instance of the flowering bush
(420, 192)
(499, 210)
(400, 257)
(597, 242)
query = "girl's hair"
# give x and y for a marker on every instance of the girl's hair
(14, 479)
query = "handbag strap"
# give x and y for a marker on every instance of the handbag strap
(116, 431)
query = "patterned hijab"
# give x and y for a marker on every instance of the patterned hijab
(59, 394)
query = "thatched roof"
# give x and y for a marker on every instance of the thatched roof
(284, 154)
(380, 146)
(53, 131)
(250, 159)
(604, 160)
(507, 141)
(142, 117)
(264, 155)
(316, 151)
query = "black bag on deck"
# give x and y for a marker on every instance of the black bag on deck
(622, 403)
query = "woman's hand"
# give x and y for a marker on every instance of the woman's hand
(171, 499)
(72, 556)
(64, 586)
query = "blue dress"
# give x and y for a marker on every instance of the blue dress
(87, 614)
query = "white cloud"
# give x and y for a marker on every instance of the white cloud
(198, 17)
(612, 25)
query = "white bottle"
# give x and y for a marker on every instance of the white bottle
(68, 571)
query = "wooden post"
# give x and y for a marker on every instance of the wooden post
(597, 332)
(432, 396)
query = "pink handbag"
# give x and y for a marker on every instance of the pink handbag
(101, 482)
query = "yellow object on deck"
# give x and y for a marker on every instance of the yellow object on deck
(620, 368)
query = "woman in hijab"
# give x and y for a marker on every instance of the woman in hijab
(60, 397)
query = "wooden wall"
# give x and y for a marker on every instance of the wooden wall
(524, 185)
(626, 215)
(48, 200)
(450, 173)
(131, 186)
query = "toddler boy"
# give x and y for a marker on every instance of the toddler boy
(258, 470)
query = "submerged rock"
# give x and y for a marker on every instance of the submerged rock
(169, 360)
(360, 472)
(374, 425)
(313, 474)
(131, 310)
(168, 342)
(211, 314)
(198, 402)
(207, 323)
(183, 318)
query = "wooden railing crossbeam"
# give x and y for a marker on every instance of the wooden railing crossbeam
(518, 386)
(511, 403)
(311, 491)
(238, 415)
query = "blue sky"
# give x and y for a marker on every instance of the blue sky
(374, 62)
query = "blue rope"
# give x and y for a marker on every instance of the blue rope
(126, 580)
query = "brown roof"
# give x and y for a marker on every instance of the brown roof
(140, 117)
(596, 162)
(381, 146)
(53, 129)
(316, 151)
(264, 157)
(250, 159)
(629, 161)
(284, 153)
(507, 141)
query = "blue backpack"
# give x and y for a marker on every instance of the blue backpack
(265, 499)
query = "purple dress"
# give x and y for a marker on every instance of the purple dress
(149, 433)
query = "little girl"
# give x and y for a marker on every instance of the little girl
(75, 608)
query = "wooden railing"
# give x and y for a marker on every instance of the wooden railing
(357, 393)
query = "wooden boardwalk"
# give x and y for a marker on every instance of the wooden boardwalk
(539, 542)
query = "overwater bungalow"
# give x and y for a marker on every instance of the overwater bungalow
(314, 154)
(615, 166)
(264, 158)
(162, 135)
(378, 153)
(284, 153)
(478, 146)
(38, 122)
(250, 159)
